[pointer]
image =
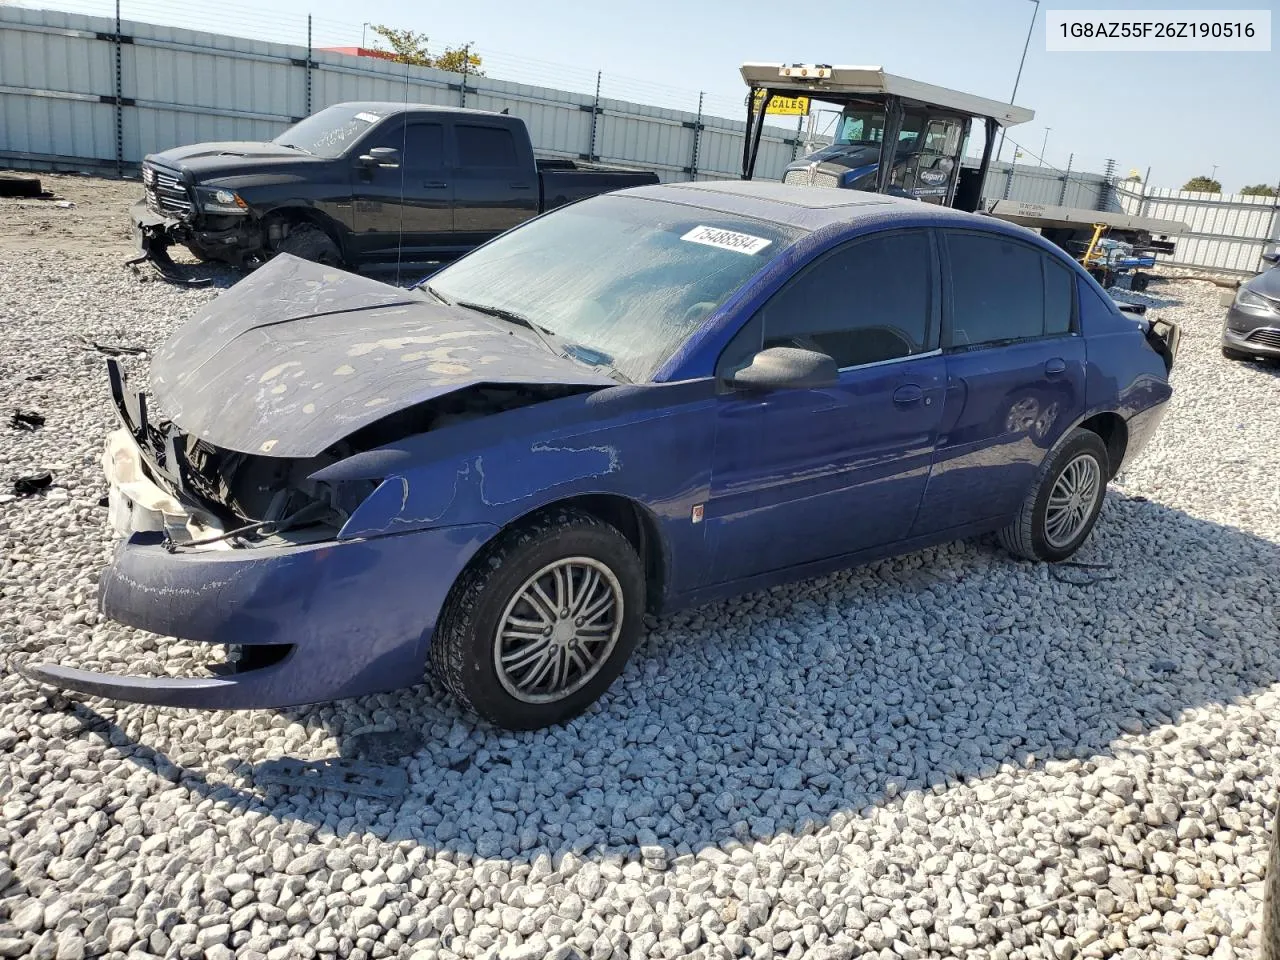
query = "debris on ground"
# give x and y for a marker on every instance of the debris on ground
(11, 186)
(26, 420)
(112, 349)
(356, 777)
(34, 483)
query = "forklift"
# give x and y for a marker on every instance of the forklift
(894, 135)
(902, 137)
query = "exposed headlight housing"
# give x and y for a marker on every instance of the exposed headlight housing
(219, 200)
(1251, 301)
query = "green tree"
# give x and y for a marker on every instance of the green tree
(409, 46)
(1259, 190)
(1203, 185)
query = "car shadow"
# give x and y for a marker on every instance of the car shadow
(707, 738)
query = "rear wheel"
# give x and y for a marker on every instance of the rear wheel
(309, 242)
(1061, 509)
(542, 621)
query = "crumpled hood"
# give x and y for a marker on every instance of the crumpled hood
(230, 157)
(299, 356)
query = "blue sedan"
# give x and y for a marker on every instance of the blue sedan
(643, 401)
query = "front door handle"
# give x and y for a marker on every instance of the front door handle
(908, 393)
(435, 184)
(520, 186)
(1055, 366)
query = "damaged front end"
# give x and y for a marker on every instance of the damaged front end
(212, 223)
(247, 552)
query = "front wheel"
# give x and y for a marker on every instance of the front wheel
(1061, 509)
(309, 242)
(542, 622)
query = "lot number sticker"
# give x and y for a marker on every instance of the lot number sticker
(726, 240)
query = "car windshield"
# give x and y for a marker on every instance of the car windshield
(331, 131)
(623, 279)
(859, 125)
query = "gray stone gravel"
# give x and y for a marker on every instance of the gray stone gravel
(946, 754)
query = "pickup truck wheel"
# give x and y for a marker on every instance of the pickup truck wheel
(1061, 509)
(542, 621)
(309, 242)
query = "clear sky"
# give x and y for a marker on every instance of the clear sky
(1178, 113)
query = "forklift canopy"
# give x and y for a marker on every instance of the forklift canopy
(838, 83)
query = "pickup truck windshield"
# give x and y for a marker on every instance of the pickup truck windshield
(330, 132)
(867, 126)
(626, 278)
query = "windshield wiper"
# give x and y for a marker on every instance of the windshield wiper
(512, 317)
(595, 358)
(294, 146)
(435, 293)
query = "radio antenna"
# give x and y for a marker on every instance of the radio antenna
(404, 142)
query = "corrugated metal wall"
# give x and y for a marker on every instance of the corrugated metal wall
(1005, 181)
(1225, 231)
(58, 84)
(60, 77)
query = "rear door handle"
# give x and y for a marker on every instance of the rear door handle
(1055, 366)
(435, 184)
(520, 186)
(907, 393)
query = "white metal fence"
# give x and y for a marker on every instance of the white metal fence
(1227, 232)
(85, 92)
(72, 94)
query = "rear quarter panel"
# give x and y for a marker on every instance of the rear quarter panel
(1123, 374)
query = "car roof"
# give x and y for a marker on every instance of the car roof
(404, 106)
(809, 208)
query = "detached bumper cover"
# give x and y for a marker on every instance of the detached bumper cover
(357, 615)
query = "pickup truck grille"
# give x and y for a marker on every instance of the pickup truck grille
(165, 193)
(811, 177)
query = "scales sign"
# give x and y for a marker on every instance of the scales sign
(782, 106)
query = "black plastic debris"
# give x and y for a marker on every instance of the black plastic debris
(344, 776)
(21, 187)
(113, 349)
(26, 486)
(26, 420)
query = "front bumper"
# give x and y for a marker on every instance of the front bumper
(1250, 332)
(337, 618)
(154, 233)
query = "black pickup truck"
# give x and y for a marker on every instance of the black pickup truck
(359, 184)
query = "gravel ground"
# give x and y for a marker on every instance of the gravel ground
(947, 754)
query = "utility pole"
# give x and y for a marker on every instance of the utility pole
(1013, 96)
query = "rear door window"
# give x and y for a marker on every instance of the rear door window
(997, 289)
(485, 146)
(1059, 300)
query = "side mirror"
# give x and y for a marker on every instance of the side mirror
(388, 157)
(781, 368)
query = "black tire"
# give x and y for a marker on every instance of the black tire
(309, 242)
(1236, 354)
(463, 648)
(1271, 899)
(1027, 536)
